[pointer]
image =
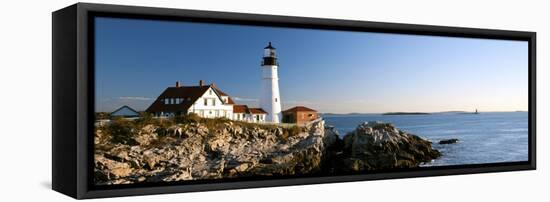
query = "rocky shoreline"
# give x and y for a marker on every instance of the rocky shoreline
(159, 152)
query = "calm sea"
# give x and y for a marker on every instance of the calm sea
(484, 138)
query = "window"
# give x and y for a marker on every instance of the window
(213, 102)
(205, 102)
(210, 92)
(275, 99)
(166, 101)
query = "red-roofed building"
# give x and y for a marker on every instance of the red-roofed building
(244, 113)
(299, 115)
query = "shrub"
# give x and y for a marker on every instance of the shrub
(145, 119)
(294, 130)
(186, 118)
(102, 115)
(291, 132)
(121, 131)
(215, 123)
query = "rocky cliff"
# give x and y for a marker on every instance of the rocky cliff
(197, 150)
(200, 151)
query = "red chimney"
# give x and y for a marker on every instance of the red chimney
(177, 84)
(201, 82)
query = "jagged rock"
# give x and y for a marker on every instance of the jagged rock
(375, 146)
(448, 141)
(107, 169)
(146, 135)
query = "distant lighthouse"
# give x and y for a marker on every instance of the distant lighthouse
(270, 100)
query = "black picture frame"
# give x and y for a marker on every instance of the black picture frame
(73, 96)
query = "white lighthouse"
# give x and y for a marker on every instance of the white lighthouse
(270, 100)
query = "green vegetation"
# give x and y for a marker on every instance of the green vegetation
(290, 132)
(102, 115)
(123, 131)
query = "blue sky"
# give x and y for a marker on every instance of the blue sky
(331, 71)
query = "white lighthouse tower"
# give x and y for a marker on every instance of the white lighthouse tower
(270, 100)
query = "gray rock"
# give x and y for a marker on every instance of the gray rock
(376, 145)
(448, 141)
(195, 151)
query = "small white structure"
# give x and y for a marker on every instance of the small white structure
(270, 100)
(125, 111)
(244, 113)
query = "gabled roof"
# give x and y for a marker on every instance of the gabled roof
(190, 94)
(135, 113)
(221, 93)
(257, 111)
(299, 109)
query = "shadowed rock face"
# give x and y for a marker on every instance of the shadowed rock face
(196, 151)
(375, 146)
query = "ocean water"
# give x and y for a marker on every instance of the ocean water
(490, 137)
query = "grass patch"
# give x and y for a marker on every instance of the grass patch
(123, 131)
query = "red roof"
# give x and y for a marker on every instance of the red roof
(299, 109)
(240, 109)
(257, 111)
(245, 109)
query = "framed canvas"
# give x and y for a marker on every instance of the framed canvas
(156, 100)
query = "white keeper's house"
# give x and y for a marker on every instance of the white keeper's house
(207, 101)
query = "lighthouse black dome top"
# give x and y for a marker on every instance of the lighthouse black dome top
(269, 46)
(270, 57)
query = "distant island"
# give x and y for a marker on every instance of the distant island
(406, 113)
